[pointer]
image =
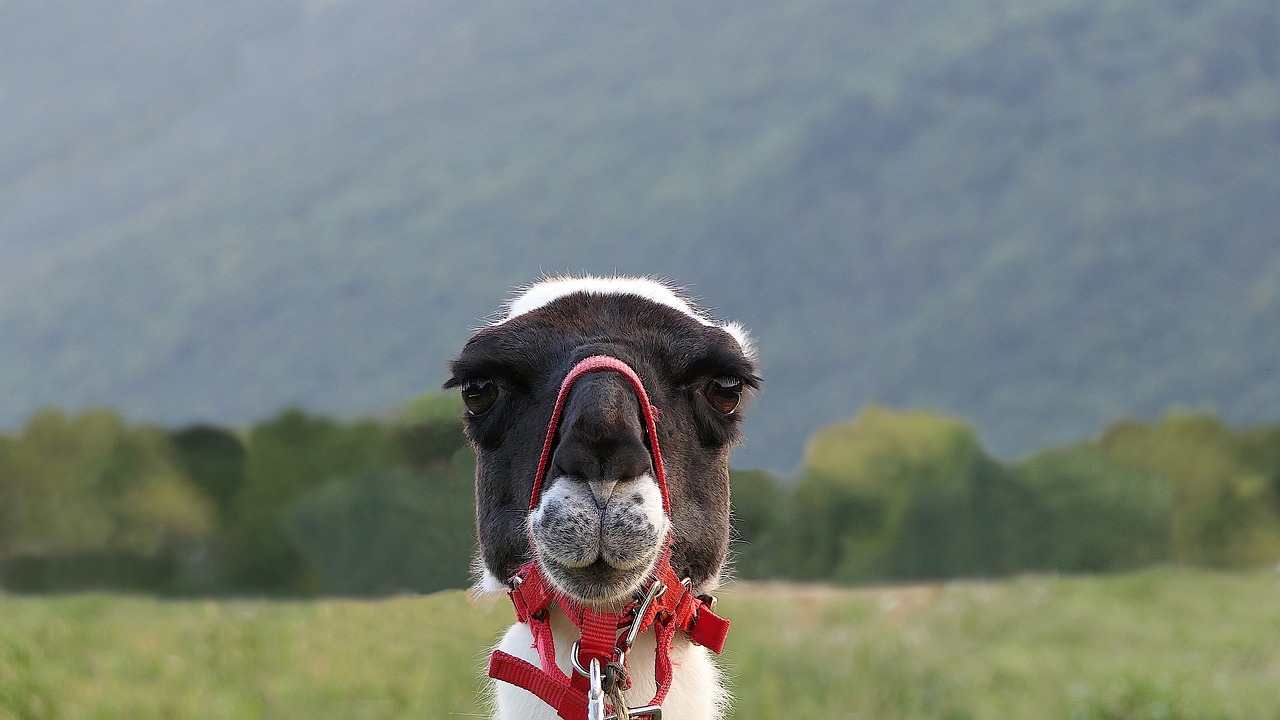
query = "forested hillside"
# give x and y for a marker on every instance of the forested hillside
(1039, 215)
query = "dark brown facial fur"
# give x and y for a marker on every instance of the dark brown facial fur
(676, 357)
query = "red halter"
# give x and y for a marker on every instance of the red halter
(669, 604)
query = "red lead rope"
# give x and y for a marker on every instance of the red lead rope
(675, 608)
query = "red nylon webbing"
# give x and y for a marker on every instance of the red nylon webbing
(567, 702)
(598, 640)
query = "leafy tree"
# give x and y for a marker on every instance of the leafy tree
(150, 502)
(913, 495)
(892, 495)
(430, 429)
(1086, 513)
(9, 514)
(91, 502)
(390, 530)
(759, 524)
(295, 453)
(289, 457)
(52, 472)
(1225, 501)
(216, 461)
(89, 482)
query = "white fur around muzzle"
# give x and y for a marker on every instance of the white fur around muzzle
(578, 524)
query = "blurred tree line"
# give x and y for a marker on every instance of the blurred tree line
(303, 505)
(895, 496)
(296, 505)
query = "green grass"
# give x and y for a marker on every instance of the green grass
(1158, 645)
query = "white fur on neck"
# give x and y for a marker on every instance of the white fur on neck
(486, 583)
(545, 292)
(696, 692)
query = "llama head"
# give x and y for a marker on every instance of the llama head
(599, 525)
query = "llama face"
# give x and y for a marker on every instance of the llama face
(599, 526)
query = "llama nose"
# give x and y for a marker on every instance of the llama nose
(601, 490)
(602, 439)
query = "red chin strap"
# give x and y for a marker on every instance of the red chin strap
(668, 605)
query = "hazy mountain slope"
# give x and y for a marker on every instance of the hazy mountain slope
(1040, 216)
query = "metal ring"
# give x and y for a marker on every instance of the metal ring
(620, 658)
(573, 660)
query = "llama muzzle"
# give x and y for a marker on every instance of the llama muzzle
(597, 521)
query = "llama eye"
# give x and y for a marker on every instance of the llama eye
(479, 395)
(724, 393)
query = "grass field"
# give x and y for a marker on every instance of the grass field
(1157, 645)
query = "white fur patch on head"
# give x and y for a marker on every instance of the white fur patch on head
(547, 291)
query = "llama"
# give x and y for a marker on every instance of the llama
(602, 412)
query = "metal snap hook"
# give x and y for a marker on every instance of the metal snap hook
(595, 695)
(656, 590)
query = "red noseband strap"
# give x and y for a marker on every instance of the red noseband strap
(599, 363)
